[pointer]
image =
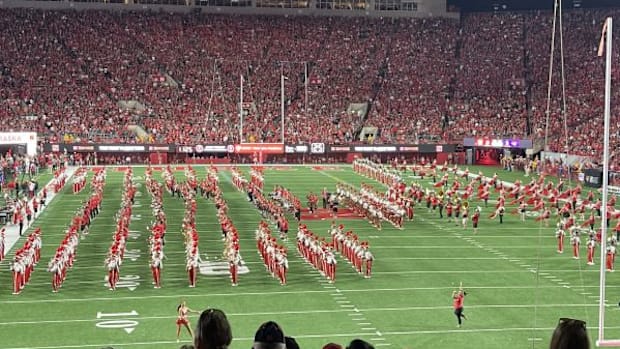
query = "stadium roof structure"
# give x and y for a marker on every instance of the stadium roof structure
(522, 5)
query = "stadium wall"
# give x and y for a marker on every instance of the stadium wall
(433, 8)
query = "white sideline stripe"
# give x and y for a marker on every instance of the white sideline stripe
(323, 311)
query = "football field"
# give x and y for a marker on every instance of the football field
(518, 285)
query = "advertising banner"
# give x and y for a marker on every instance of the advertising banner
(14, 138)
(251, 148)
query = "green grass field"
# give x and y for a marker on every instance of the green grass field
(518, 286)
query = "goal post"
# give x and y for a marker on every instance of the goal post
(606, 47)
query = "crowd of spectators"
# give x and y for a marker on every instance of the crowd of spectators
(65, 75)
(214, 331)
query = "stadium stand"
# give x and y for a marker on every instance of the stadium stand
(98, 76)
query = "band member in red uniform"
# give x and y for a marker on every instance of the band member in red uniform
(591, 248)
(112, 263)
(575, 241)
(182, 319)
(156, 264)
(458, 298)
(368, 258)
(474, 220)
(610, 257)
(559, 234)
(233, 261)
(192, 268)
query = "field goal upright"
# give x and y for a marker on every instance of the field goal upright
(605, 46)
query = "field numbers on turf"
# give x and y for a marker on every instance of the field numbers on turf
(132, 254)
(118, 321)
(130, 282)
(221, 268)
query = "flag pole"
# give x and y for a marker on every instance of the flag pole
(606, 34)
(282, 103)
(241, 109)
(306, 88)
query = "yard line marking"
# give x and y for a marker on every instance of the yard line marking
(368, 329)
(408, 289)
(330, 311)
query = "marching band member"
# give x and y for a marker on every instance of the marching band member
(559, 234)
(575, 241)
(156, 266)
(368, 259)
(113, 265)
(591, 248)
(234, 261)
(18, 269)
(475, 218)
(610, 254)
(192, 268)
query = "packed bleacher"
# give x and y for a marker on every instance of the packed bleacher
(96, 76)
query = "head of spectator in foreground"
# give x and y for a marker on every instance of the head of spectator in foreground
(570, 334)
(359, 344)
(213, 330)
(269, 336)
(332, 346)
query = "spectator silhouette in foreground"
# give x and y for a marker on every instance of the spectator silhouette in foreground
(570, 334)
(213, 330)
(269, 336)
(332, 346)
(359, 344)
